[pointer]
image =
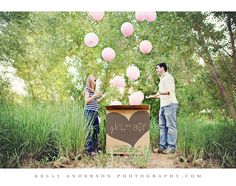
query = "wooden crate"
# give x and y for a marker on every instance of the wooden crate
(127, 128)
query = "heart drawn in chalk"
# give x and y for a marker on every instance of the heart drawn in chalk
(129, 131)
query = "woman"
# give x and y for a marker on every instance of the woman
(91, 115)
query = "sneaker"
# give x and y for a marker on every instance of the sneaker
(158, 150)
(93, 153)
(99, 150)
(168, 151)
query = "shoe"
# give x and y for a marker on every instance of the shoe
(99, 150)
(158, 150)
(169, 151)
(93, 153)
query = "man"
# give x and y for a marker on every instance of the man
(168, 109)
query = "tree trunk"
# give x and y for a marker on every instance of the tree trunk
(228, 99)
(231, 34)
(224, 93)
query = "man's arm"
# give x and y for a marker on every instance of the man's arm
(164, 92)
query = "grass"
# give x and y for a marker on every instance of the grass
(46, 132)
(207, 141)
(140, 161)
(40, 131)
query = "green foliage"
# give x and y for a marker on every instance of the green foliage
(43, 43)
(13, 26)
(40, 131)
(6, 96)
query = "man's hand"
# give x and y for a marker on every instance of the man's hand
(149, 97)
(157, 95)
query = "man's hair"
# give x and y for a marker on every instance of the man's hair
(162, 65)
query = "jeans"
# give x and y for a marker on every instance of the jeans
(167, 124)
(92, 131)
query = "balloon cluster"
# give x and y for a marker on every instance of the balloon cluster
(132, 73)
(142, 16)
(91, 39)
(97, 16)
(108, 54)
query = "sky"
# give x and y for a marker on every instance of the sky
(117, 5)
(9, 74)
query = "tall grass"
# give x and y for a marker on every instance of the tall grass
(208, 141)
(40, 131)
(201, 139)
(47, 131)
(154, 133)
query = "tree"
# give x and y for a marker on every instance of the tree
(44, 46)
(212, 46)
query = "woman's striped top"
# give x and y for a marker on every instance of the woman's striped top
(93, 105)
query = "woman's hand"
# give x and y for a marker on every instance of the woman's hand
(96, 94)
(103, 95)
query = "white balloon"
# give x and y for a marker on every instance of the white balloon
(133, 73)
(91, 39)
(116, 103)
(136, 98)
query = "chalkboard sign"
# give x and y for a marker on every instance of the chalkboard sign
(127, 128)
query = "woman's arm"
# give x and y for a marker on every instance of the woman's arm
(100, 99)
(89, 99)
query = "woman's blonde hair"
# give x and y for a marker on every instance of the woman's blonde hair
(89, 84)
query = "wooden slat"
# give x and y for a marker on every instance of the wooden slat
(128, 107)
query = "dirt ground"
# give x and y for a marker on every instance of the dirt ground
(164, 161)
(155, 160)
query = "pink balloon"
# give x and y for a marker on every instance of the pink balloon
(133, 73)
(140, 16)
(116, 103)
(136, 98)
(151, 16)
(127, 29)
(145, 47)
(108, 54)
(91, 39)
(118, 82)
(97, 16)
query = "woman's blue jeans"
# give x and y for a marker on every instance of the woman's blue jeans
(92, 130)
